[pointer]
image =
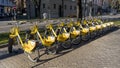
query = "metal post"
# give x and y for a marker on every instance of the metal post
(90, 4)
(28, 10)
(49, 12)
(85, 5)
(94, 8)
(14, 14)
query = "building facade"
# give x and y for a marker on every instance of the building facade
(20, 6)
(99, 6)
(106, 5)
(53, 8)
(6, 7)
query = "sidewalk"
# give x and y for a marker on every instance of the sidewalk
(104, 52)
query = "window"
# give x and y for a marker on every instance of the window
(74, 7)
(54, 6)
(65, 6)
(43, 6)
(2, 1)
(70, 7)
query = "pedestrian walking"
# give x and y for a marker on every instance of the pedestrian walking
(44, 15)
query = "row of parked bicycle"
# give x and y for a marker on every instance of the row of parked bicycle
(55, 36)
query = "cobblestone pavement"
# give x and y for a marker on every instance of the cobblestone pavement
(103, 52)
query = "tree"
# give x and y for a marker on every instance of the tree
(19, 6)
(79, 9)
(37, 4)
(115, 5)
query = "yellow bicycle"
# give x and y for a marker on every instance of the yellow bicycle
(84, 29)
(29, 47)
(74, 31)
(47, 40)
(61, 34)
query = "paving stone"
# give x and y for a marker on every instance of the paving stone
(104, 52)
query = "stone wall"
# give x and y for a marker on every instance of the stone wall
(53, 7)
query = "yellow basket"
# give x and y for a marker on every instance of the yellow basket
(63, 37)
(85, 31)
(75, 33)
(48, 41)
(92, 28)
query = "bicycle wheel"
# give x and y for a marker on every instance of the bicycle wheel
(34, 56)
(85, 37)
(67, 44)
(52, 49)
(92, 35)
(76, 41)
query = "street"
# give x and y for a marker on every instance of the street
(5, 27)
(103, 52)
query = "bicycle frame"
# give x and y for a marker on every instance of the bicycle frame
(45, 41)
(27, 46)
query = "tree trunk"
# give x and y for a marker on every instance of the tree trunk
(62, 8)
(29, 12)
(22, 6)
(38, 12)
(79, 9)
(90, 13)
(39, 8)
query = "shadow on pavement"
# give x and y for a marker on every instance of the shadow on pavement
(3, 46)
(40, 62)
(5, 54)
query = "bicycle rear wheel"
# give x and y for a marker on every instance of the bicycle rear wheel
(76, 41)
(67, 44)
(85, 37)
(34, 56)
(52, 50)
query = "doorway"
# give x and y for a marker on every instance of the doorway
(60, 11)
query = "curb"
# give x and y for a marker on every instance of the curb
(3, 45)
